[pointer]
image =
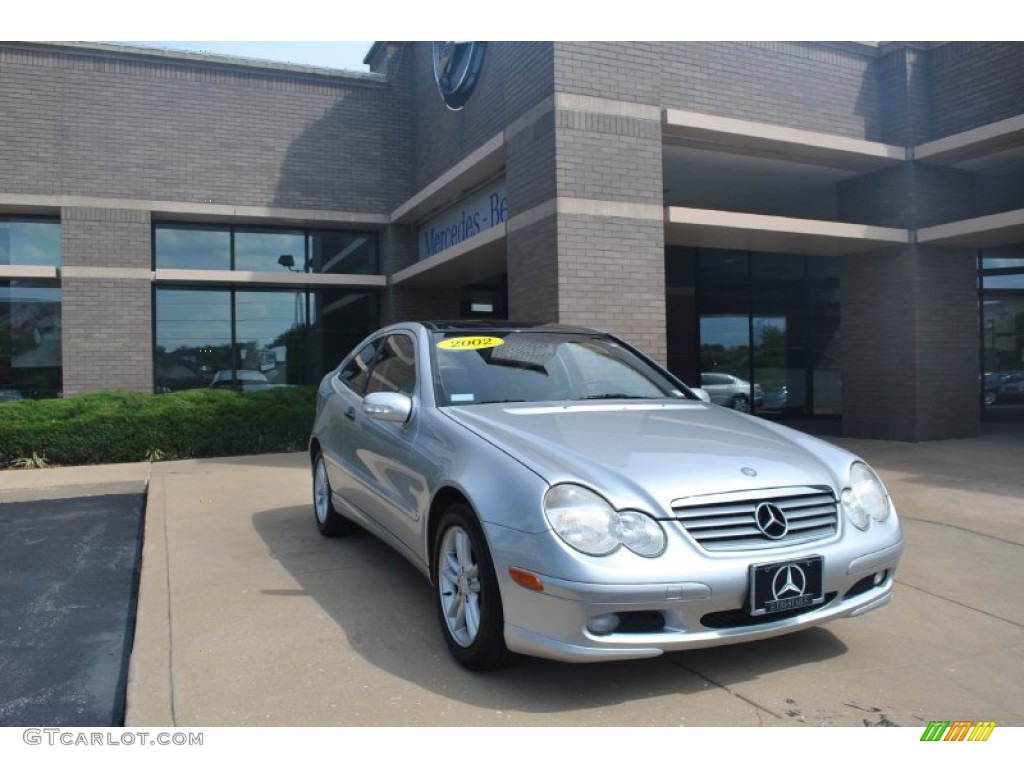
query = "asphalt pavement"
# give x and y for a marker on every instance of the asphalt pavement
(68, 575)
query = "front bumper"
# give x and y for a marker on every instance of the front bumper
(664, 617)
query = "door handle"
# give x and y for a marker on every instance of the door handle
(350, 414)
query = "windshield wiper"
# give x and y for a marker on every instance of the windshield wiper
(490, 402)
(613, 396)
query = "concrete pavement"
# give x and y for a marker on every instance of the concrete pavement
(248, 617)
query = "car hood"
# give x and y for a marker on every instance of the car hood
(654, 453)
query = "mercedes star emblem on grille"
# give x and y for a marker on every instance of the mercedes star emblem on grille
(771, 520)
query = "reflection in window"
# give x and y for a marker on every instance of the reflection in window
(1002, 331)
(192, 248)
(357, 372)
(252, 340)
(395, 369)
(1003, 267)
(29, 242)
(269, 251)
(339, 320)
(193, 338)
(772, 321)
(30, 340)
(343, 253)
(270, 330)
(186, 246)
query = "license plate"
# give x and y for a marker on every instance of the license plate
(776, 587)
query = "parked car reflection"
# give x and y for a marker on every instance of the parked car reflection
(731, 391)
(241, 381)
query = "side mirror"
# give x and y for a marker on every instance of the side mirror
(388, 406)
(701, 394)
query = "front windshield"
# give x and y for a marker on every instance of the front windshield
(540, 366)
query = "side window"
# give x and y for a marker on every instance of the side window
(395, 368)
(357, 372)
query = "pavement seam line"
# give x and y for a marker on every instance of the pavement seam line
(964, 530)
(758, 708)
(962, 605)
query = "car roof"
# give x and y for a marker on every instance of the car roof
(503, 326)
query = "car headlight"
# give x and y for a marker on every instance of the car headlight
(588, 523)
(640, 533)
(866, 498)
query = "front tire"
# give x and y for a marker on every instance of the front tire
(468, 600)
(328, 521)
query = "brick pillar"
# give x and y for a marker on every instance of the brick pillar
(586, 241)
(106, 300)
(910, 344)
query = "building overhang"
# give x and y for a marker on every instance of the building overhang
(982, 232)
(774, 234)
(775, 141)
(978, 148)
(471, 261)
(478, 167)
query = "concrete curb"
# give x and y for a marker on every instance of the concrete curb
(72, 482)
(149, 697)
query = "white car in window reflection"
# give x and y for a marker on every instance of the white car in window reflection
(570, 499)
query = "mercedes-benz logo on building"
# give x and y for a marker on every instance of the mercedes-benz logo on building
(771, 520)
(456, 69)
(789, 581)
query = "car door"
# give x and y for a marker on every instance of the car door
(339, 430)
(387, 483)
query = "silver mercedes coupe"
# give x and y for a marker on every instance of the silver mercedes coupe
(570, 499)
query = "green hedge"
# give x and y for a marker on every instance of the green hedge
(109, 427)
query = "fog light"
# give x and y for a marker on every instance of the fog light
(880, 577)
(604, 624)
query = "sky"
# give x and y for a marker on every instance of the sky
(335, 55)
(219, 26)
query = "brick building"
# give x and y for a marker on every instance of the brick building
(841, 224)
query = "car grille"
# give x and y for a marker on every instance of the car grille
(728, 522)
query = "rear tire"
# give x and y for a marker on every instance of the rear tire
(328, 521)
(740, 403)
(468, 600)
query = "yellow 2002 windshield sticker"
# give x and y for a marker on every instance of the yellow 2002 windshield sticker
(470, 342)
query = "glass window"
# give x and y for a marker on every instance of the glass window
(1002, 330)
(180, 246)
(395, 368)
(193, 338)
(30, 340)
(353, 253)
(251, 340)
(357, 372)
(192, 248)
(772, 321)
(339, 319)
(270, 331)
(1003, 267)
(29, 242)
(541, 366)
(270, 251)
